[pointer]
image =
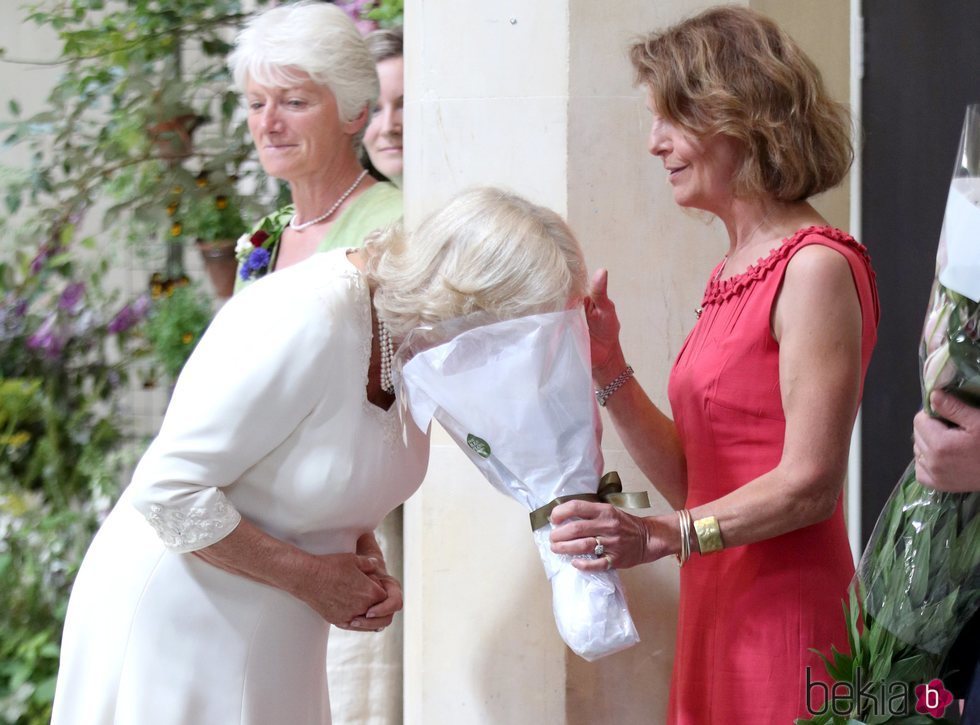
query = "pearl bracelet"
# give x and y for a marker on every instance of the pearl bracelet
(603, 394)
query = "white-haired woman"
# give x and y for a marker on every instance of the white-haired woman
(310, 85)
(206, 596)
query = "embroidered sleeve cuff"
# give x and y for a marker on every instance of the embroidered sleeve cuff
(189, 529)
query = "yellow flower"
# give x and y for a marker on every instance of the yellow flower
(176, 228)
(221, 202)
(172, 208)
(187, 338)
(16, 440)
(15, 504)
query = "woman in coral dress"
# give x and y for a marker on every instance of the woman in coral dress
(764, 391)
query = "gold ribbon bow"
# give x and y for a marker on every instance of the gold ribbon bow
(610, 491)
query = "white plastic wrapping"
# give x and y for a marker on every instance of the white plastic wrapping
(517, 397)
(960, 270)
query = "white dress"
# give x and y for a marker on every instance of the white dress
(269, 421)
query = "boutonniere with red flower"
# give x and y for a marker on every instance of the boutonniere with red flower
(254, 250)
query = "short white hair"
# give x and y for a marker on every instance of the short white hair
(315, 38)
(488, 251)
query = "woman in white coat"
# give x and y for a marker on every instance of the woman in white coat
(205, 597)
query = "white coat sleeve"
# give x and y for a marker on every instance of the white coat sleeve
(260, 368)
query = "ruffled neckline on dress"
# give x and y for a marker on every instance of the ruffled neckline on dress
(722, 289)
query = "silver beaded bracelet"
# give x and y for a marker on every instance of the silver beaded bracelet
(603, 394)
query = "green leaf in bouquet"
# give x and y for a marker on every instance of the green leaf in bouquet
(879, 719)
(943, 542)
(918, 557)
(478, 445)
(881, 645)
(895, 508)
(826, 718)
(903, 623)
(912, 669)
(852, 612)
(832, 669)
(931, 626)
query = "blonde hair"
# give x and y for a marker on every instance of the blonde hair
(486, 251)
(315, 38)
(732, 71)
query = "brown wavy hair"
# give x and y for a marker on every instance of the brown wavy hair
(732, 71)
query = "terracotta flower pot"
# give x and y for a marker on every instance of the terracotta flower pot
(172, 137)
(221, 265)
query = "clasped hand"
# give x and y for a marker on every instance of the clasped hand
(355, 591)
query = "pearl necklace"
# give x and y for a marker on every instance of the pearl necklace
(387, 355)
(331, 210)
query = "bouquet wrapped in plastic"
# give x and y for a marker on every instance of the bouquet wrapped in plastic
(516, 396)
(918, 581)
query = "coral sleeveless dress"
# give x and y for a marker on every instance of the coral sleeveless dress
(748, 615)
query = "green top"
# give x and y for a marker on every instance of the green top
(375, 208)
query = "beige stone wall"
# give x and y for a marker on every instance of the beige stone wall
(822, 28)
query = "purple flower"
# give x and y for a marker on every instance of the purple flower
(13, 307)
(256, 264)
(71, 297)
(356, 10)
(46, 340)
(141, 305)
(129, 315)
(123, 320)
(37, 264)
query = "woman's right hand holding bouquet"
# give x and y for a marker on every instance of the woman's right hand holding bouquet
(947, 454)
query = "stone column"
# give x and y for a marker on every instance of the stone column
(538, 98)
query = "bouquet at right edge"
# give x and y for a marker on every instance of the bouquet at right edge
(918, 581)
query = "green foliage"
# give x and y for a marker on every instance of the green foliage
(41, 546)
(387, 13)
(142, 122)
(209, 218)
(65, 351)
(144, 106)
(175, 325)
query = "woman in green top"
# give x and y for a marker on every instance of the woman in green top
(310, 83)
